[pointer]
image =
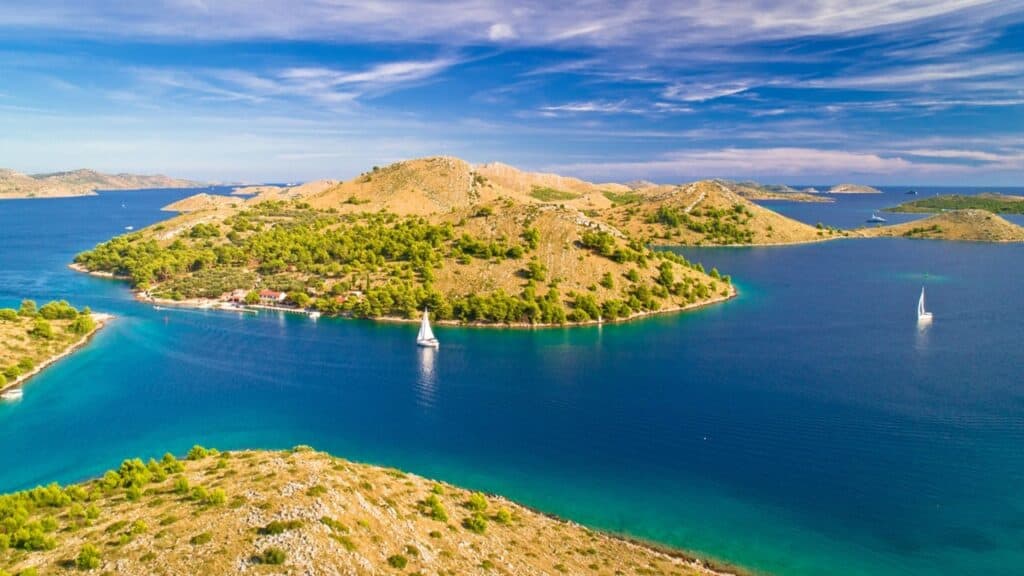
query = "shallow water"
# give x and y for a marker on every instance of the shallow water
(806, 427)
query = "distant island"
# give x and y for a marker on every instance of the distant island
(758, 191)
(996, 203)
(32, 337)
(488, 245)
(299, 512)
(853, 189)
(971, 225)
(79, 183)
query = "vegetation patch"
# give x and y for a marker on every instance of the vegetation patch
(546, 194)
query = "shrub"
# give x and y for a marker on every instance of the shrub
(503, 516)
(476, 523)
(8, 314)
(477, 502)
(197, 453)
(273, 556)
(41, 329)
(27, 309)
(280, 526)
(397, 561)
(88, 558)
(200, 539)
(315, 491)
(181, 486)
(435, 509)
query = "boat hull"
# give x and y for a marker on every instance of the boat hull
(432, 343)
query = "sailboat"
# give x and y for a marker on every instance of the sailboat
(426, 336)
(875, 218)
(923, 316)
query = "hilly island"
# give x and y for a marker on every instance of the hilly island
(483, 245)
(78, 183)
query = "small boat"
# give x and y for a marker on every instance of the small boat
(426, 337)
(911, 192)
(876, 219)
(12, 394)
(923, 316)
(314, 314)
(129, 228)
(159, 308)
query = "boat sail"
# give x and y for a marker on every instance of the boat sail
(923, 316)
(426, 336)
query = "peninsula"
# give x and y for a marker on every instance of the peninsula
(79, 183)
(970, 225)
(487, 245)
(995, 203)
(301, 512)
(758, 191)
(32, 337)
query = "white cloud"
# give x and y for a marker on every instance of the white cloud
(753, 162)
(1009, 160)
(499, 32)
(702, 92)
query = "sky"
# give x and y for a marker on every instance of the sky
(799, 91)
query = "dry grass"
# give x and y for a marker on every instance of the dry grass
(330, 516)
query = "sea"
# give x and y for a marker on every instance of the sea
(806, 427)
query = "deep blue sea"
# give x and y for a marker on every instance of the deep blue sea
(806, 427)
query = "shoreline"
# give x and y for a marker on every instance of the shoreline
(101, 320)
(211, 304)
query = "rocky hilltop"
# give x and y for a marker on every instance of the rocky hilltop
(79, 183)
(298, 512)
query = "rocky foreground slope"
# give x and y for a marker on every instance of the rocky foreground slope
(297, 512)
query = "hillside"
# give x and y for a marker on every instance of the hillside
(708, 213)
(966, 225)
(431, 232)
(79, 183)
(853, 189)
(298, 512)
(996, 203)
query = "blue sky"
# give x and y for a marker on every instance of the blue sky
(808, 91)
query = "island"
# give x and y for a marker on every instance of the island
(992, 202)
(853, 189)
(300, 512)
(482, 245)
(79, 183)
(32, 338)
(757, 191)
(961, 225)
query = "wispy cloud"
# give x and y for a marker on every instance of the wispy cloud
(756, 162)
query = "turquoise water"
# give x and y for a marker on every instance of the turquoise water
(806, 427)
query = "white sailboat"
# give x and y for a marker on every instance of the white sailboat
(11, 395)
(923, 316)
(426, 336)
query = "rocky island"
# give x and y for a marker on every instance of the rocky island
(298, 512)
(79, 183)
(32, 338)
(853, 189)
